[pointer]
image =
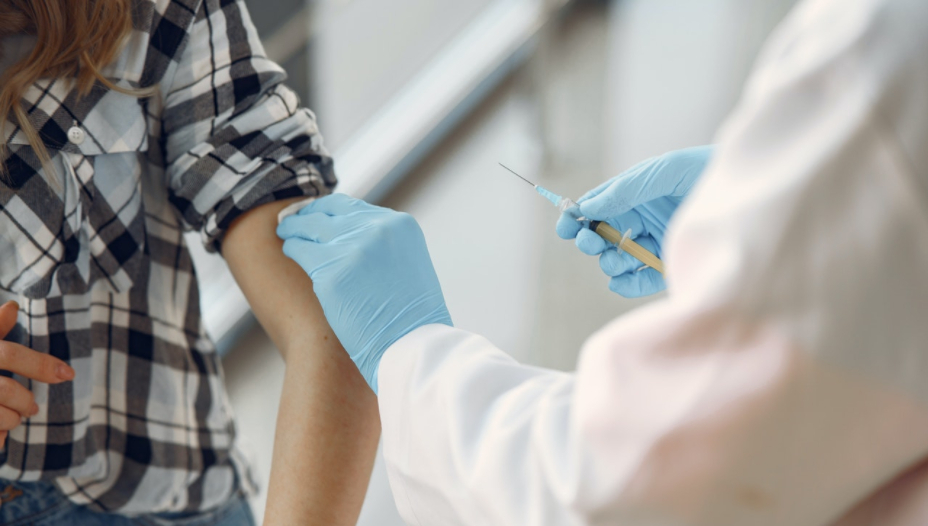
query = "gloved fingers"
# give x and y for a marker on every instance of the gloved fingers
(622, 195)
(691, 162)
(599, 189)
(671, 174)
(307, 254)
(590, 243)
(634, 283)
(567, 225)
(637, 284)
(595, 191)
(336, 204)
(308, 227)
(321, 228)
(647, 180)
(629, 221)
(615, 263)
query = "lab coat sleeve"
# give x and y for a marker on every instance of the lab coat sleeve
(782, 381)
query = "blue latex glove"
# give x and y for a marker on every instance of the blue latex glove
(643, 199)
(371, 271)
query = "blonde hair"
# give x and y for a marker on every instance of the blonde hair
(76, 39)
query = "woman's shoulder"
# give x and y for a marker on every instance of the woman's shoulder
(159, 32)
(152, 16)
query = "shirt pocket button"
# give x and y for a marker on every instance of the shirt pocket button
(75, 135)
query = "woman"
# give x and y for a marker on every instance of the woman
(129, 122)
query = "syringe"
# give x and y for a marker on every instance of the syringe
(622, 241)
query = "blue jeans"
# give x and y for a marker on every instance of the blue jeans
(41, 504)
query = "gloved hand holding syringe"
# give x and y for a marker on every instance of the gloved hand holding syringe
(621, 240)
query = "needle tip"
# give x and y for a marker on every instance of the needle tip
(515, 174)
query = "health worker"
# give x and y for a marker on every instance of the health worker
(782, 381)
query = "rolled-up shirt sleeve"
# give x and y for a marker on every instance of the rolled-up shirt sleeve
(234, 136)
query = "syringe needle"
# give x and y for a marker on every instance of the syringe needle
(517, 175)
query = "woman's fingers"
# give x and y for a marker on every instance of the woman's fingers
(16, 397)
(9, 419)
(8, 313)
(17, 402)
(26, 362)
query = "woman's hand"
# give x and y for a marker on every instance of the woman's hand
(17, 402)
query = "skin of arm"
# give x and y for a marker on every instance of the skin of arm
(328, 426)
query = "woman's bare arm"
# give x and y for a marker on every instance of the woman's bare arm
(328, 426)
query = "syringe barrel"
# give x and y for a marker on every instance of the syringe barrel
(624, 243)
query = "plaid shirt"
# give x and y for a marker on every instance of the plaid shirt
(93, 251)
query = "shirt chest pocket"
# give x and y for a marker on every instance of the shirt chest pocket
(81, 223)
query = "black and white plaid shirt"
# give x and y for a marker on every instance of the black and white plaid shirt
(93, 252)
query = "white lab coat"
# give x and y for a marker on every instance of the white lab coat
(784, 379)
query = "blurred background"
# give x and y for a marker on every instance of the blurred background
(419, 99)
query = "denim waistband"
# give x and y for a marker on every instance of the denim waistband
(42, 504)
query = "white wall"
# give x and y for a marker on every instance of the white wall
(364, 51)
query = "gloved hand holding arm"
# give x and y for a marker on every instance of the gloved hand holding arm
(371, 272)
(642, 199)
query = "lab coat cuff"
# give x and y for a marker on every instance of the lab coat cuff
(401, 357)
